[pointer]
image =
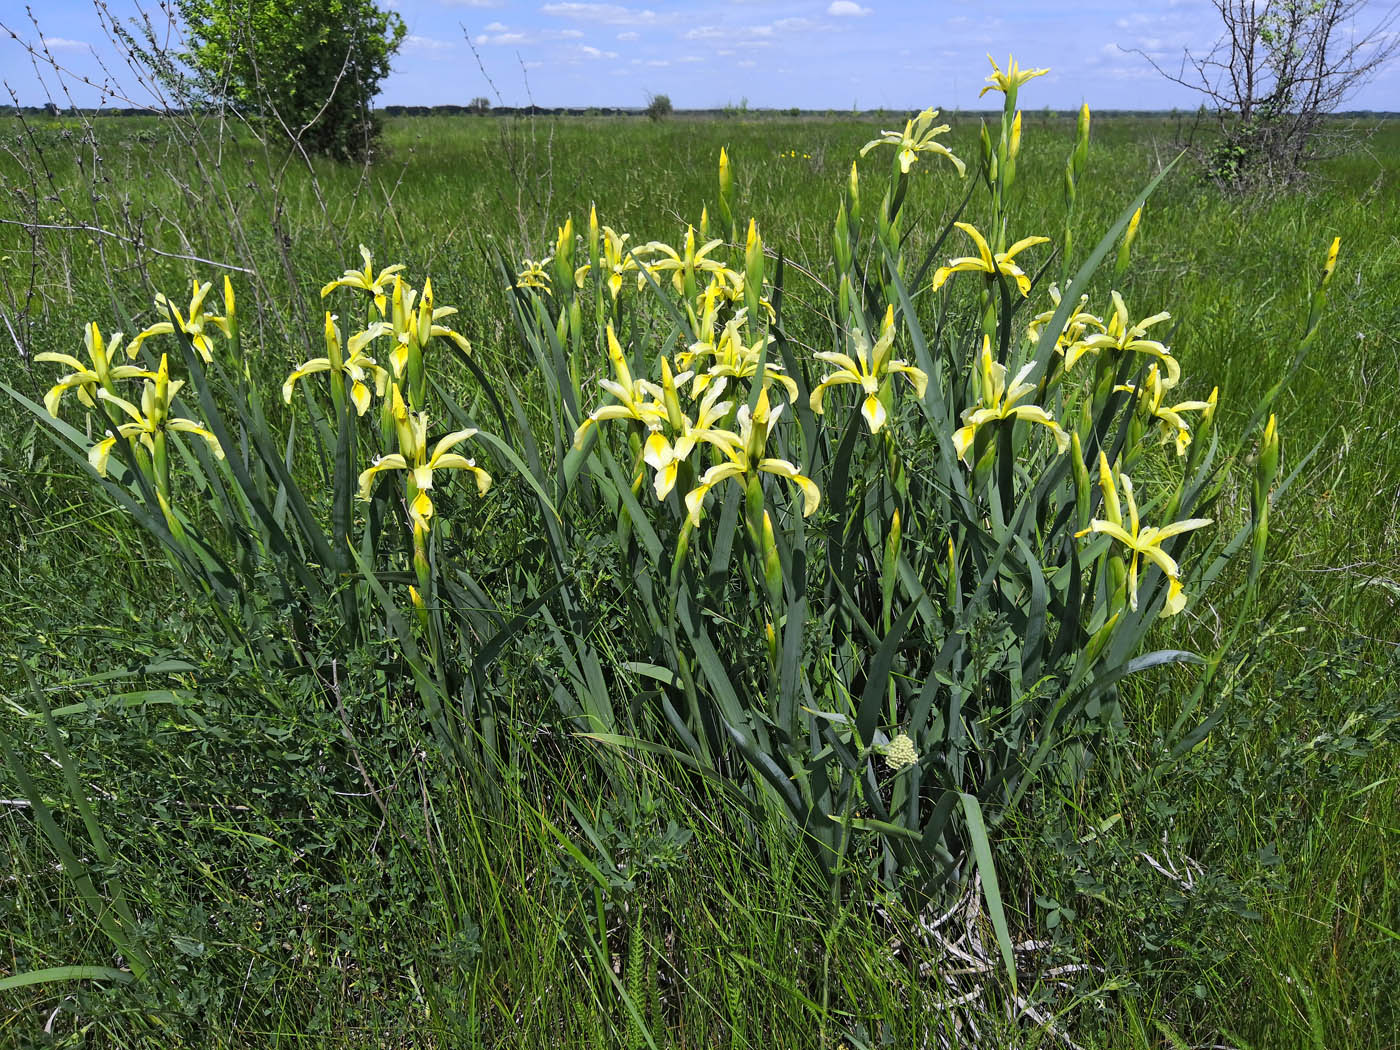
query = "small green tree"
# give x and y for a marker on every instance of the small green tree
(659, 107)
(308, 67)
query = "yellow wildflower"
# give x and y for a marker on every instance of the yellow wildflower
(1123, 337)
(918, 137)
(745, 458)
(998, 402)
(1010, 80)
(1150, 398)
(372, 284)
(193, 324)
(1145, 543)
(152, 419)
(985, 262)
(868, 368)
(98, 373)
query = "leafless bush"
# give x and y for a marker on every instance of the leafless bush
(1277, 70)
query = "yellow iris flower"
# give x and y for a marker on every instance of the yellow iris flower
(1121, 336)
(616, 262)
(734, 359)
(418, 327)
(725, 286)
(193, 324)
(868, 368)
(373, 284)
(1010, 80)
(638, 399)
(745, 459)
(357, 365)
(98, 373)
(998, 402)
(1078, 322)
(665, 454)
(1150, 398)
(985, 262)
(1145, 543)
(533, 275)
(414, 458)
(918, 137)
(693, 260)
(151, 419)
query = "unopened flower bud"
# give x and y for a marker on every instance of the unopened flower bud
(230, 313)
(772, 564)
(1267, 468)
(889, 572)
(1331, 260)
(753, 270)
(1126, 247)
(1082, 492)
(841, 239)
(333, 344)
(564, 256)
(726, 189)
(853, 195)
(1081, 145)
(593, 236)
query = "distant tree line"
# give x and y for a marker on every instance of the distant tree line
(608, 111)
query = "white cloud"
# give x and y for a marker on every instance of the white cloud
(629, 35)
(427, 43)
(470, 3)
(609, 14)
(593, 52)
(58, 43)
(505, 39)
(568, 34)
(738, 32)
(847, 7)
(497, 27)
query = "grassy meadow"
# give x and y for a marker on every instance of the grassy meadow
(305, 868)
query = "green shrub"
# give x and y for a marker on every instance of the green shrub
(659, 107)
(311, 69)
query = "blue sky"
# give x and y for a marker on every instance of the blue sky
(817, 54)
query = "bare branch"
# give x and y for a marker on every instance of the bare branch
(1276, 70)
